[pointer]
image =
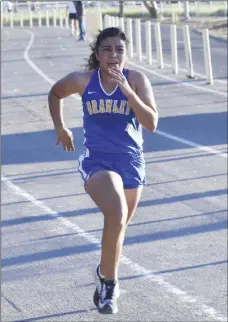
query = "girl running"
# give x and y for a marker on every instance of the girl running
(116, 102)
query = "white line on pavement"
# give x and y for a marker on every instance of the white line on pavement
(159, 132)
(191, 143)
(156, 279)
(218, 81)
(201, 89)
(199, 307)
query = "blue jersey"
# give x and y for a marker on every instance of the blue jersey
(110, 124)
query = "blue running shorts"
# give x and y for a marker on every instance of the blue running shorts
(131, 167)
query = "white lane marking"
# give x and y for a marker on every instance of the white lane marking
(190, 143)
(223, 82)
(35, 67)
(76, 96)
(156, 279)
(202, 89)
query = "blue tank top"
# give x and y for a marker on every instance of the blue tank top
(110, 124)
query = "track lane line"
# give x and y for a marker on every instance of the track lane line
(182, 296)
(149, 275)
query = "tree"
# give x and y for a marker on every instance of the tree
(121, 8)
(152, 8)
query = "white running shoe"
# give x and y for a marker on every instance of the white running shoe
(99, 281)
(107, 303)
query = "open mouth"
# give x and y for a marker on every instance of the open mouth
(113, 64)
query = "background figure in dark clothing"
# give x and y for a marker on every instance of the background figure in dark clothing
(80, 15)
(72, 14)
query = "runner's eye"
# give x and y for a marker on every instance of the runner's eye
(106, 49)
(120, 50)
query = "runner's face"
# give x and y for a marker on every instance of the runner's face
(112, 53)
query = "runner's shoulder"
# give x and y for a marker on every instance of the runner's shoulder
(136, 78)
(136, 75)
(82, 78)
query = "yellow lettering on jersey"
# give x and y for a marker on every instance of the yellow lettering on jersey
(89, 108)
(122, 106)
(115, 107)
(108, 104)
(101, 106)
(94, 107)
(128, 110)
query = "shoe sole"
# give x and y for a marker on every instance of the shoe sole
(96, 294)
(96, 298)
(107, 310)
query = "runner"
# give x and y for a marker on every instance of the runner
(117, 102)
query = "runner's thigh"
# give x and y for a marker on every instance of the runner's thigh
(106, 190)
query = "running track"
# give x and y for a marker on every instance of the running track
(174, 262)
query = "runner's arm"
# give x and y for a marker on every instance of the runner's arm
(143, 102)
(64, 87)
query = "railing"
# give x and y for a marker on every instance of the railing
(58, 18)
(18, 6)
(51, 17)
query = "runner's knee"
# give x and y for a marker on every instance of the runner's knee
(116, 217)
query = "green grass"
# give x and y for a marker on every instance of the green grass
(204, 10)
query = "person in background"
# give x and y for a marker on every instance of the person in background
(8, 6)
(80, 15)
(71, 8)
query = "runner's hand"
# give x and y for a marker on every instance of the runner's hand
(118, 77)
(65, 136)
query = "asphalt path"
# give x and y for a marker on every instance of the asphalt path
(174, 265)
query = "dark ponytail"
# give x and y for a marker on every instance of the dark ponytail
(92, 62)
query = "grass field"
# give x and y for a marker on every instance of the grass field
(204, 10)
